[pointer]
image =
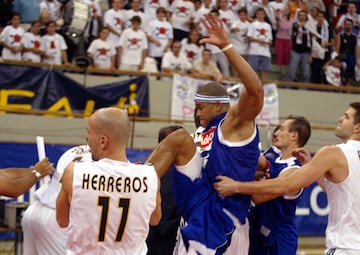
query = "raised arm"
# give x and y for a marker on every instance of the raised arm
(252, 96)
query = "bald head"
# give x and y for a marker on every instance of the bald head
(108, 133)
(112, 122)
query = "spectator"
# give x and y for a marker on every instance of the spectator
(135, 11)
(191, 47)
(181, 15)
(301, 47)
(151, 6)
(94, 25)
(260, 38)
(278, 6)
(174, 61)
(198, 14)
(115, 20)
(226, 15)
(50, 11)
(11, 39)
(283, 41)
(160, 36)
(33, 45)
(54, 46)
(29, 10)
(334, 72)
(295, 6)
(323, 41)
(239, 31)
(205, 67)
(345, 48)
(351, 14)
(319, 4)
(102, 51)
(132, 47)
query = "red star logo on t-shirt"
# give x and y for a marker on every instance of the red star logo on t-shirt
(182, 9)
(52, 45)
(118, 21)
(102, 51)
(133, 41)
(337, 75)
(162, 30)
(262, 31)
(234, 2)
(154, 1)
(17, 38)
(37, 44)
(190, 54)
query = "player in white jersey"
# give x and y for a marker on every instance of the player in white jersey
(132, 47)
(54, 46)
(108, 204)
(102, 51)
(42, 234)
(33, 46)
(11, 39)
(339, 167)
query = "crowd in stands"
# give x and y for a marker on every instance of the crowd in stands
(315, 41)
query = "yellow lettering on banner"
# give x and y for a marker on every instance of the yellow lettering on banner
(121, 102)
(61, 104)
(133, 107)
(6, 93)
(89, 108)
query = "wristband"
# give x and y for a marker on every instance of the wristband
(227, 47)
(37, 173)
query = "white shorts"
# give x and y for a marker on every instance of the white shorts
(42, 234)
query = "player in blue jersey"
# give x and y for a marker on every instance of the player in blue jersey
(272, 227)
(229, 146)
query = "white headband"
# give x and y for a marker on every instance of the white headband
(211, 99)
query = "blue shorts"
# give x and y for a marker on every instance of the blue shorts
(259, 63)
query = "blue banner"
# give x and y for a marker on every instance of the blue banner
(27, 87)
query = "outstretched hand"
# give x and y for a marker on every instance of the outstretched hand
(216, 31)
(45, 167)
(225, 186)
(302, 155)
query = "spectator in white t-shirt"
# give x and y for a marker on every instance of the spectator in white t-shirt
(102, 51)
(115, 20)
(54, 46)
(132, 47)
(260, 38)
(191, 47)
(160, 36)
(11, 39)
(135, 11)
(176, 62)
(181, 16)
(33, 45)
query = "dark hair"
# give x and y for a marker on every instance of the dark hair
(15, 14)
(198, 40)
(302, 126)
(356, 107)
(350, 20)
(136, 19)
(50, 22)
(242, 10)
(160, 9)
(165, 131)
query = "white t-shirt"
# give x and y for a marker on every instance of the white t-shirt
(12, 37)
(191, 50)
(31, 40)
(132, 43)
(239, 39)
(117, 20)
(102, 52)
(53, 45)
(111, 206)
(262, 31)
(177, 63)
(150, 7)
(181, 11)
(162, 31)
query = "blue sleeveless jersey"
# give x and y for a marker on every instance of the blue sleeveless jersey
(272, 227)
(235, 160)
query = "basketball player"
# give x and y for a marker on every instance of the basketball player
(108, 204)
(229, 145)
(340, 165)
(42, 234)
